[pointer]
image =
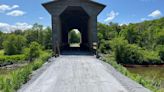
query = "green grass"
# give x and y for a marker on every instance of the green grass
(6, 59)
(1, 52)
(13, 81)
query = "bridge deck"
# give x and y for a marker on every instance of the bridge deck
(79, 73)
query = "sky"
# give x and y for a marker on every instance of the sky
(22, 14)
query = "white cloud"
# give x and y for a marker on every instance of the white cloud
(41, 18)
(6, 28)
(121, 24)
(4, 7)
(155, 14)
(144, 19)
(112, 15)
(16, 13)
(15, 6)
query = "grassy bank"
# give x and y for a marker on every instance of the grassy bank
(152, 85)
(13, 81)
(12, 59)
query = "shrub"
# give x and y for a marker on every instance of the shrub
(124, 52)
(104, 46)
(33, 51)
(14, 44)
(12, 59)
(132, 54)
(150, 57)
(161, 53)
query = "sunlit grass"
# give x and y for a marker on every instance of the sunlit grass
(1, 52)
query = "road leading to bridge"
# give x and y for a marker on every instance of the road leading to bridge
(78, 73)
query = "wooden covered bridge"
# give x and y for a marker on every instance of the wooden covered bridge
(80, 71)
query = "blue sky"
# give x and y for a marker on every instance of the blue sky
(21, 14)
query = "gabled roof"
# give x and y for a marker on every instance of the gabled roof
(91, 1)
(59, 5)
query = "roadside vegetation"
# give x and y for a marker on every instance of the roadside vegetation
(133, 44)
(31, 47)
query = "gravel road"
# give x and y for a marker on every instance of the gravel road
(75, 73)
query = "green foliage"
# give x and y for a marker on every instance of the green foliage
(74, 37)
(34, 51)
(14, 44)
(160, 37)
(104, 47)
(105, 32)
(161, 52)
(1, 52)
(47, 38)
(12, 59)
(134, 43)
(132, 54)
(40, 35)
(18, 47)
(13, 81)
(1, 39)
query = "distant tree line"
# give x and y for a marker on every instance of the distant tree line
(17, 42)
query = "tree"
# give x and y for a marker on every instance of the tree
(35, 34)
(14, 44)
(74, 37)
(48, 38)
(34, 51)
(1, 39)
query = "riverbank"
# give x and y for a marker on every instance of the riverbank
(154, 73)
(133, 65)
(148, 83)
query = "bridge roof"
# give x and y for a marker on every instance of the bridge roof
(57, 6)
(90, 1)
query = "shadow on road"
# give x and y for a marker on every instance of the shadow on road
(76, 51)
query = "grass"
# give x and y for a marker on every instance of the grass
(146, 83)
(13, 81)
(1, 52)
(5, 59)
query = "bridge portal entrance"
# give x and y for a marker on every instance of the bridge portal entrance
(74, 38)
(73, 14)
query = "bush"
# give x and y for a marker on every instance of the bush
(14, 44)
(33, 51)
(161, 53)
(4, 60)
(132, 54)
(104, 47)
(150, 57)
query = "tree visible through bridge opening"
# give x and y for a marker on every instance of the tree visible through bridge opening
(74, 38)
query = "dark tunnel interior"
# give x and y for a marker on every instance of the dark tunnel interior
(74, 18)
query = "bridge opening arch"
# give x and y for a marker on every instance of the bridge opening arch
(74, 38)
(74, 17)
